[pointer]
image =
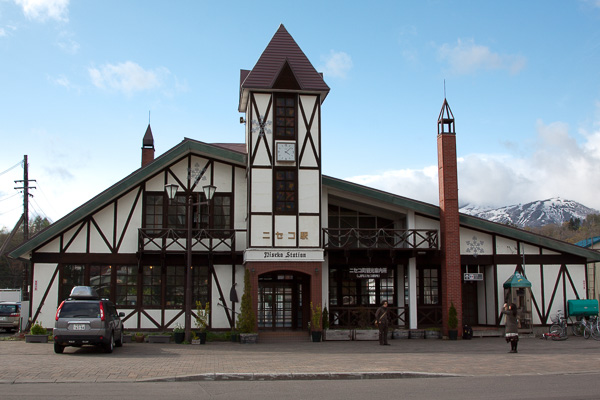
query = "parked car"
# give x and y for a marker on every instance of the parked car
(10, 315)
(86, 319)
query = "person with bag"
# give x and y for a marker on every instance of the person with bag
(511, 327)
(382, 320)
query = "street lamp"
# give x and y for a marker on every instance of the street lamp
(209, 191)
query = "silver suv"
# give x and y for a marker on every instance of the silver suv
(86, 319)
(10, 314)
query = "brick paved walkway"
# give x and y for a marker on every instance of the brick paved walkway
(33, 362)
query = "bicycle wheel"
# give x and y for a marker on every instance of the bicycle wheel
(577, 327)
(587, 332)
(555, 329)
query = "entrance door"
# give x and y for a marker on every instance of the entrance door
(469, 303)
(280, 301)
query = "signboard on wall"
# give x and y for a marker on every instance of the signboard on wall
(473, 276)
(368, 272)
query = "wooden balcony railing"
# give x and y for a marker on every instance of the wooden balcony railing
(175, 240)
(354, 238)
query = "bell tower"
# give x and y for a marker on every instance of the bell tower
(449, 221)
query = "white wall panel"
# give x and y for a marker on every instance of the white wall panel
(262, 190)
(308, 191)
(262, 231)
(42, 274)
(285, 226)
(310, 225)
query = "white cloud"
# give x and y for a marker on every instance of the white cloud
(556, 166)
(63, 81)
(41, 10)
(337, 64)
(127, 77)
(468, 57)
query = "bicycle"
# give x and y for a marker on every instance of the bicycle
(587, 327)
(558, 329)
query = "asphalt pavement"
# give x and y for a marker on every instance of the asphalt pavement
(152, 362)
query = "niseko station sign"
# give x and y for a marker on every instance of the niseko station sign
(368, 272)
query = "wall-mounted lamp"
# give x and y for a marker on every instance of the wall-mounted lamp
(317, 270)
(252, 270)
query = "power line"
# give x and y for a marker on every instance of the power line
(13, 167)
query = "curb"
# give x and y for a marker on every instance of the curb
(298, 376)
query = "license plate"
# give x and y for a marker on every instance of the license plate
(2, 318)
(78, 327)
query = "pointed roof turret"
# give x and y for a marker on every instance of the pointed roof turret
(282, 65)
(147, 147)
(446, 120)
(148, 140)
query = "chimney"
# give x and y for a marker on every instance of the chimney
(147, 147)
(449, 221)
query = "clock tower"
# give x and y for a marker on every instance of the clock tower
(281, 98)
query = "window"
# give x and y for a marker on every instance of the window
(71, 275)
(175, 288)
(285, 117)
(100, 279)
(176, 214)
(151, 286)
(154, 213)
(285, 191)
(200, 285)
(126, 285)
(429, 285)
(345, 290)
(219, 215)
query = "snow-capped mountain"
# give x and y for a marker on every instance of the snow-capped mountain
(534, 214)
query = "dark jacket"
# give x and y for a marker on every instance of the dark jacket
(382, 316)
(511, 320)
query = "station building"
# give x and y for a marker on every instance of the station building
(303, 237)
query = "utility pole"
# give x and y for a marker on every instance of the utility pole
(25, 188)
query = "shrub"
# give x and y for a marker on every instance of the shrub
(316, 317)
(38, 329)
(325, 318)
(246, 321)
(452, 317)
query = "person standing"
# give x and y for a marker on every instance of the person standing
(382, 320)
(511, 329)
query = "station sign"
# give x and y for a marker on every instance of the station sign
(470, 276)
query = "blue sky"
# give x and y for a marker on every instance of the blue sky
(78, 79)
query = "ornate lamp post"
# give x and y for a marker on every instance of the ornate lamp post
(209, 191)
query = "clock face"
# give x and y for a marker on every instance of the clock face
(286, 151)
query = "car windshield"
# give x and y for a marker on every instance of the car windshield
(8, 309)
(77, 309)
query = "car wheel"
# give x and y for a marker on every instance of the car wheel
(58, 348)
(108, 348)
(119, 342)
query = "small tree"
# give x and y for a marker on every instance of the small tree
(203, 313)
(316, 318)
(452, 317)
(246, 321)
(325, 318)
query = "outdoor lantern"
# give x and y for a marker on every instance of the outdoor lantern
(209, 191)
(171, 190)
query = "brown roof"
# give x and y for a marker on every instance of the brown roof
(237, 147)
(281, 50)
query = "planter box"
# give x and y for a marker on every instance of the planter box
(127, 338)
(401, 334)
(366, 334)
(196, 341)
(248, 338)
(159, 338)
(433, 334)
(338, 334)
(417, 334)
(36, 338)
